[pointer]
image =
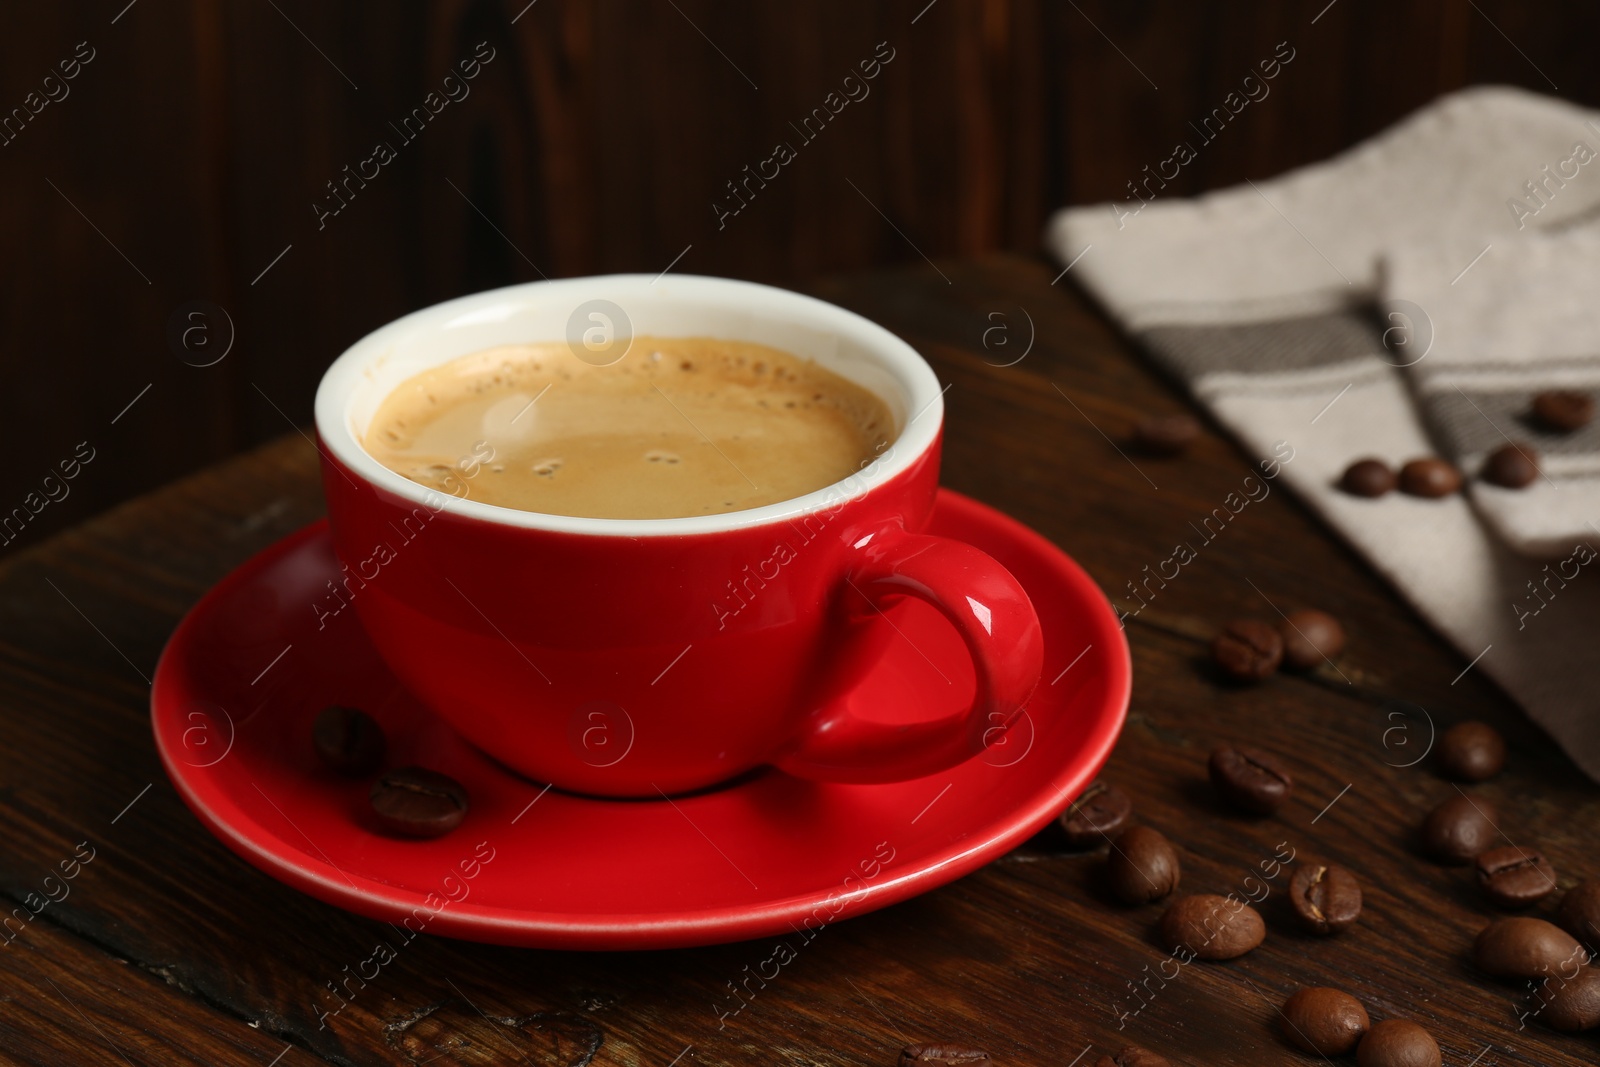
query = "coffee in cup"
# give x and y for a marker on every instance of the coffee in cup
(678, 427)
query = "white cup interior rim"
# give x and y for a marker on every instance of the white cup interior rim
(664, 305)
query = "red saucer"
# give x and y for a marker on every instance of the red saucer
(248, 669)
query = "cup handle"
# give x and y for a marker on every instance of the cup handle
(994, 617)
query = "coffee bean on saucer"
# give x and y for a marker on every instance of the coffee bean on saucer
(942, 1056)
(1165, 435)
(1309, 637)
(1429, 476)
(1524, 947)
(1250, 780)
(1512, 466)
(1211, 927)
(1398, 1043)
(1095, 816)
(1515, 877)
(1562, 410)
(1326, 1021)
(1142, 866)
(1471, 752)
(1579, 913)
(1326, 898)
(1569, 1004)
(1247, 650)
(1132, 1056)
(1367, 477)
(1460, 828)
(417, 802)
(348, 740)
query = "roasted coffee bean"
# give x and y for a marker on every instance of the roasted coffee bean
(1367, 477)
(1471, 752)
(1523, 947)
(1096, 816)
(1568, 1002)
(942, 1056)
(1211, 927)
(1323, 1020)
(1563, 411)
(1513, 466)
(1247, 650)
(1143, 866)
(1515, 877)
(1309, 637)
(1250, 780)
(1132, 1056)
(1459, 829)
(1429, 476)
(1398, 1043)
(1326, 897)
(1165, 435)
(417, 802)
(1580, 913)
(348, 740)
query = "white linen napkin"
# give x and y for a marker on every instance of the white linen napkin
(1262, 298)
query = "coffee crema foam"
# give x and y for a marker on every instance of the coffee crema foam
(678, 427)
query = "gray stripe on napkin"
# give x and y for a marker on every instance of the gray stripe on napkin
(1469, 422)
(1305, 343)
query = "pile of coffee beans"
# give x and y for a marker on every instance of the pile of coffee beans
(406, 801)
(1249, 650)
(1425, 476)
(1143, 867)
(1515, 465)
(1553, 957)
(1565, 986)
(1464, 829)
(1326, 1021)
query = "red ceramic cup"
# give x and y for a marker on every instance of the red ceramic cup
(638, 657)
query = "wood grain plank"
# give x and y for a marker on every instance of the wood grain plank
(70, 1000)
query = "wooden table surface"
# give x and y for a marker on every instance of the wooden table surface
(168, 949)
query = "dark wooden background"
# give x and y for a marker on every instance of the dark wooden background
(190, 150)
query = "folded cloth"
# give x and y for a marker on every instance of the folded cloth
(1524, 320)
(1261, 298)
